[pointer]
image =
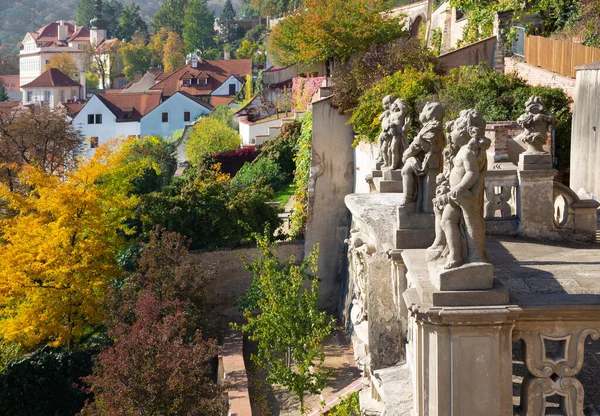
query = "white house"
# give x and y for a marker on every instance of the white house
(173, 114)
(106, 116)
(230, 87)
(51, 87)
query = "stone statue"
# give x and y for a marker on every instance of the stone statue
(427, 144)
(458, 205)
(392, 140)
(536, 124)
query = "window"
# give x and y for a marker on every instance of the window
(29, 96)
(93, 142)
(231, 89)
(7, 85)
(90, 119)
(186, 116)
(47, 96)
(194, 81)
(62, 96)
(98, 118)
(165, 117)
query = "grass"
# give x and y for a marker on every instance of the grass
(283, 195)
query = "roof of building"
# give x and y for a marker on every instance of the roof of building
(49, 33)
(133, 106)
(144, 84)
(217, 100)
(218, 71)
(82, 33)
(52, 78)
(162, 75)
(73, 108)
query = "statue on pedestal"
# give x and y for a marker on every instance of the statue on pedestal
(427, 145)
(458, 205)
(392, 140)
(536, 124)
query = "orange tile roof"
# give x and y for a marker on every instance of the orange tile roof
(217, 71)
(82, 33)
(136, 105)
(52, 78)
(217, 100)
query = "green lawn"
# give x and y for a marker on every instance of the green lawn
(283, 195)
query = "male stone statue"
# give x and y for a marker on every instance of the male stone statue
(458, 205)
(426, 146)
(392, 140)
(536, 124)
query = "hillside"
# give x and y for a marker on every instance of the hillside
(17, 18)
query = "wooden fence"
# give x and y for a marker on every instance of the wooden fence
(557, 55)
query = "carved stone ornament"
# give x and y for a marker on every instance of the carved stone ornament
(359, 252)
(392, 139)
(424, 150)
(536, 125)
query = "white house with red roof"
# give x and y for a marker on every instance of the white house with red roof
(51, 88)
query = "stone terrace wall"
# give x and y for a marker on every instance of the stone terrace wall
(537, 76)
(231, 280)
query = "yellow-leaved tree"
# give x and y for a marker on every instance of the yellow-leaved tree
(58, 251)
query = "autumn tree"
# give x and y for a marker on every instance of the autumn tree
(39, 137)
(332, 29)
(157, 46)
(198, 26)
(160, 363)
(105, 60)
(170, 16)
(210, 135)
(136, 56)
(283, 319)
(130, 22)
(247, 50)
(64, 63)
(58, 253)
(228, 23)
(173, 53)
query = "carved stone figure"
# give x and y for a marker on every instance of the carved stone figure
(359, 253)
(536, 124)
(426, 147)
(458, 205)
(392, 140)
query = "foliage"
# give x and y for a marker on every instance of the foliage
(359, 73)
(91, 80)
(157, 46)
(225, 115)
(247, 50)
(170, 16)
(48, 379)
(231, 161)
(248, 9)
(436, 40)
(274, 7)
(207, 208)
(228, 23)
(282, 149)
(64, 63)
(39, 137)
(85, 10)
(210, 135)
(350, 406)
(59, 251)
(334, 29)
(130, 22)
(3, 93)
(198, 26)
(412, 85)
(256, 33)
(303, 90)
(587, 21)
(302, 159)
(136, 57)
(173, 52)
(263, 168)
(105, 60)
(288, 326)
(160, 364)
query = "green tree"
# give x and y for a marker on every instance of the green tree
(288, 328)
(173, 52)
(136, 56)
(130, 22)
(3, 93)
(170, 16)
(332, 29)
(210, 135)
(228, 23)
(274, 7)
(198, 26)
(157, 46)
(248, 9)
(85, 10)
(247, 50)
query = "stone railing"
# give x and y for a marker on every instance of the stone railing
(572, 216)
(500, 209)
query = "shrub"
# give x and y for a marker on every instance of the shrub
(282, 149)
(265, 169)
(230, 162)
(302, 160)
(210, 135)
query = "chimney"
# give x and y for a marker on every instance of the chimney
(226, 55)
(63, 31)
(194, 60)
(137, 75)
(83, 83)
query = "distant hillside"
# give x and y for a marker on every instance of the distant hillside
(20, 17)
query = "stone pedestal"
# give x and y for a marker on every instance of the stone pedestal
(536, 201)
(459, 346)
(387, 181)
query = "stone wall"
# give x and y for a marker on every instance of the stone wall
(231, 280)
(473, 54)
(331, 179)
(537, 76)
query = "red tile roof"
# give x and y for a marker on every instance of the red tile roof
(52, 78)
(49, 33)
(73, 108)
(218, 100)
(217, 71)
(162, 76)
(82, 33)
(132, 106)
